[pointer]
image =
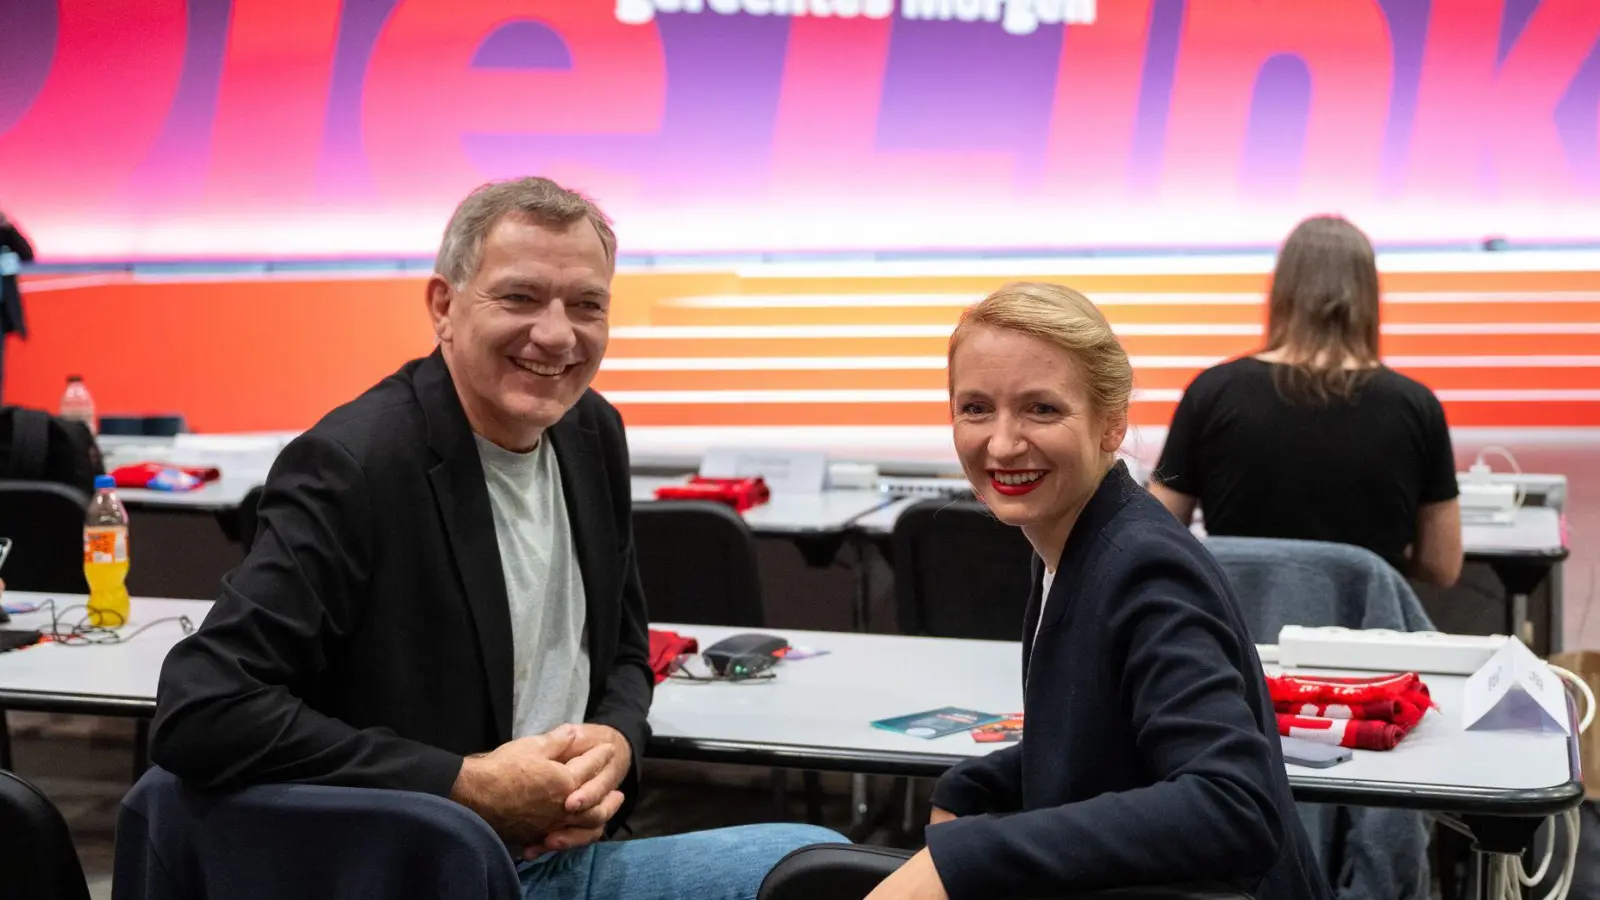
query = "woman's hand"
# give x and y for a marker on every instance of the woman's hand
(916, 880)
(941, 816)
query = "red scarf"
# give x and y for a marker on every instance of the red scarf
(1363, 713)
(665, 648)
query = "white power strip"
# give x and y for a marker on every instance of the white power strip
(1380, 650)
(1485, 502)
(909, 486)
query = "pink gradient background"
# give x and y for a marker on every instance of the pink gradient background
(262, 128)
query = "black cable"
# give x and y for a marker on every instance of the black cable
(86, 633)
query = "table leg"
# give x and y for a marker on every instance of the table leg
(862, 619)
(858, 800)
(1521, 578)
(141, 747)
(1493, 839)
(1485, 872)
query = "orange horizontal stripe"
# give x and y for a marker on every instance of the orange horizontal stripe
(1489, 344)
(1441, 378)
(778, 379)
(1140, 345)
(947, 316)
(1231, 314)
(843, 414)
(1574, 414)
(1460, 415)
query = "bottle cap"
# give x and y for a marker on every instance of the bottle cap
(72, 378)
(101, 482)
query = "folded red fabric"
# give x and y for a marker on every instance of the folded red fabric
(665, 648)
(1361, 734)
(139, 475)
(1366, 713)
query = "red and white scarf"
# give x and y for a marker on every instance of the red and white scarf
(1363, 713)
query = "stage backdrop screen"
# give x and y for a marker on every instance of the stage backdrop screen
(261, 128)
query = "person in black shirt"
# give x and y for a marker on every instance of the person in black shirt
(1314, 438)
(14, 249)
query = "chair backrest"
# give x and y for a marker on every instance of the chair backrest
(1291, 582)
(45, 523)
(959, 572)
(299, 841)
(36, 446)
(697, 561)
(37, 858)
(249, 518)
(851, 871)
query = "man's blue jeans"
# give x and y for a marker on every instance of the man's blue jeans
(725, 864)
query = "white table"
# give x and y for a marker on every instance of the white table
(100, 679)
(243, 459)
(817, 712)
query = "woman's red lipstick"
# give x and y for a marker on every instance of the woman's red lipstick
(1018, 489)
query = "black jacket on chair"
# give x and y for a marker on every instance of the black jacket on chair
(365, 641)
(1150, 751)
(11, 318)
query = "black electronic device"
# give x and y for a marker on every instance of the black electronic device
(744, 655)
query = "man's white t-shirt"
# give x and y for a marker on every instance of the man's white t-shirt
(544, 587)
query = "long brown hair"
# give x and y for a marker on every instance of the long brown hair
(1323, 310)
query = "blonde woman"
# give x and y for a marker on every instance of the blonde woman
(1151, 754)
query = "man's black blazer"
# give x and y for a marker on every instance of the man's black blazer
(366, 638)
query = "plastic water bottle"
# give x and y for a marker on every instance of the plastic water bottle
(105, 555)
(78, 406)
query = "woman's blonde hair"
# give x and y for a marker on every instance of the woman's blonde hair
(1067, 319)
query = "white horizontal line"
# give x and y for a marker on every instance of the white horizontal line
(937, 363)
(819, 301)
(755, 332)
(768, 363)
(1177, 264)
(1553, 361)
(779, 396)
(920, 395)
(1139, 329)
(1101, 298)
(72, 282)
(1493, 328)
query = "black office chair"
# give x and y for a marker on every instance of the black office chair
(959, 572)
(248, 519)
(303, 842)
(697, 560)
(45, 523)
(851, 871)
(37, 858)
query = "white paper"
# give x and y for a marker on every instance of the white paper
(785, 471)
(1515, 691)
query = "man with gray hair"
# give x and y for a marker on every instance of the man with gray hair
(443, 595)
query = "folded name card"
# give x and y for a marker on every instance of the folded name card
(785, 471)
(1516, 691)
